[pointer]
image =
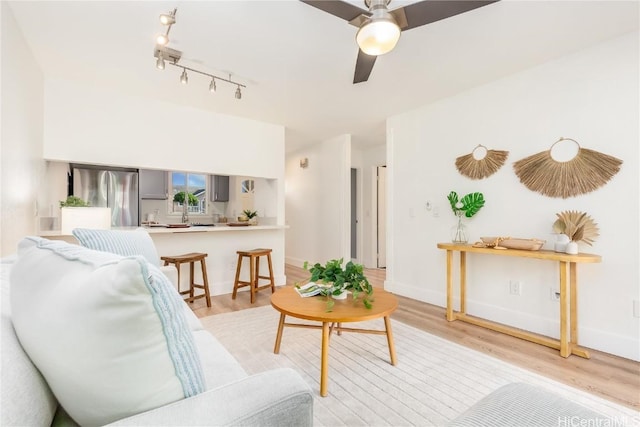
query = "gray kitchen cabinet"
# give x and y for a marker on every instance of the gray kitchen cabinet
(219, 188)
(154, 184)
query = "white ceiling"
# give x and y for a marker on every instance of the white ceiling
(298, 61)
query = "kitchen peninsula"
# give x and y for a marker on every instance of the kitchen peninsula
(220, 242)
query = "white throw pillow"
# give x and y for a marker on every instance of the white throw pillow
(121, 242)
(107, 332)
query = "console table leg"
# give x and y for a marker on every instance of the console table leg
(463, 282)
(449, 286)
(565, 349)
(573, 278)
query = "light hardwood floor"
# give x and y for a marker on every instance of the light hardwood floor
(604, 375)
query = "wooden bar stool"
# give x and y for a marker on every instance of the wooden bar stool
(191, 258)
(254, 272)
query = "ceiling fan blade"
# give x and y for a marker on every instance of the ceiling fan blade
(428, 11)
(341, 9)
(364, 65)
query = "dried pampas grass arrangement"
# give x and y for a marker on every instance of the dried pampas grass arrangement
(584, 173)
(577, 225)
(472, 167)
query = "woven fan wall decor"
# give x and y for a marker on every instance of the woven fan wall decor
(584, 173)
(474, 168)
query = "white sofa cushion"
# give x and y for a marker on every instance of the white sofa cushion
(121, 242)
(107, 332)
(130, 243)
(25, 397)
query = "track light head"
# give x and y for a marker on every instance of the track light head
(160, 62)
(162, 39)
(168, 18)
(183, 77)
(212, 85)
(238, 93)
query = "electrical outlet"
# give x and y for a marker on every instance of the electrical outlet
(554, 295)
(636, 308)
(515, 287)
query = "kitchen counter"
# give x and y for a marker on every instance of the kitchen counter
(220, 243)
(193, 229)
(216, 228)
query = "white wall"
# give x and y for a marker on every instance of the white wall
(317, 202)
(87, 124)
(590, 96)
(21, 136)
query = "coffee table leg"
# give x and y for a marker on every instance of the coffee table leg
(392, 347)
(276, 349)
(324, 361)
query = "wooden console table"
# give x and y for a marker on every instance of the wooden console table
(568, 343)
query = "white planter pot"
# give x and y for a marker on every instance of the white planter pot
(572, 248)
(88, 217)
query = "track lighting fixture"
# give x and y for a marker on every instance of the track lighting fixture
(165, 54)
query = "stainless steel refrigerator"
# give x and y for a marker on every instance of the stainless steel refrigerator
(113, 188)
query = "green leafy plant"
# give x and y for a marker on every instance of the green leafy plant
(249, 213)
(469, 204)
(179, 198)
(348, 278)
(73, 202)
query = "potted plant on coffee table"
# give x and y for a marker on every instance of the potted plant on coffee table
(340, 280)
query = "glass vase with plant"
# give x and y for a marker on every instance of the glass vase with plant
(467, 206)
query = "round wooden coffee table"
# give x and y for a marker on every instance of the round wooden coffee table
(287, 301)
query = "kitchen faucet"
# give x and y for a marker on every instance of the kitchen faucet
(185, 213)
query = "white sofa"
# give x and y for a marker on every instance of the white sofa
(277, 397)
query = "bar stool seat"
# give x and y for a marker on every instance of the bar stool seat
(191, 258)
(254, 272)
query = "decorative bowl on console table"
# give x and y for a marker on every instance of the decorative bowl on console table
(513, 243)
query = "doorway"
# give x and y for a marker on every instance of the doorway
(381, 217)
(354, 214)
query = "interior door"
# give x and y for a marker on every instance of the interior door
(382, 217)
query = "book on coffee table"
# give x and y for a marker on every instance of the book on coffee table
(310, 289)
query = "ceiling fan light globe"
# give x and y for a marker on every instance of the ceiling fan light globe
(378, 37)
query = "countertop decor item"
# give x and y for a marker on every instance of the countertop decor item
(252, 216)
(340, 279)
(468, 206)
(578, 226)
(73, 202)
(481, 162)
(585, 172)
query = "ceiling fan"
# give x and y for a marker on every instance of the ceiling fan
(379, 27)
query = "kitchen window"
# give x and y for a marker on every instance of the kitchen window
(194, 185)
